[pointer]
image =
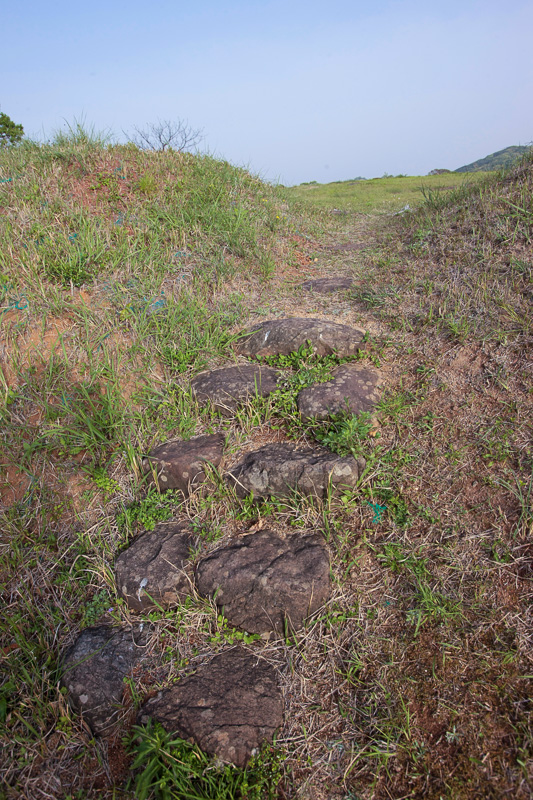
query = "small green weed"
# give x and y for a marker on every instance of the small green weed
(395, 557)
(308, 366)
(395, 404)
(252, 508)
(431, 605)
(146, 513)
(147, 185)
(103, 481)
(372, 297)
(306, 369)
(96, 607)
(225, 633)
(346, 434)
(396, 505)
(496, 442)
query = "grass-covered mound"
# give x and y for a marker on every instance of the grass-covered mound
(78, 210)
(461, 263)
(449, 289)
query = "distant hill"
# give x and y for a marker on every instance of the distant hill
(499, 160)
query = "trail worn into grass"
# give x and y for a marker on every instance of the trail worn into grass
(414, 678)
(428, 684)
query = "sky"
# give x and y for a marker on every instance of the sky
(293, 90)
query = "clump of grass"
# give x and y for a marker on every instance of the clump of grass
(190, 335)
(171, 769)
(301, 369)
(146, 513)
(346, 434)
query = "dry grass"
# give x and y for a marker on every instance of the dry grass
(414, 680)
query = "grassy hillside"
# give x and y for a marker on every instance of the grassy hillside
(120, 271)
(124, 273)
(386, 195)
(501, 159)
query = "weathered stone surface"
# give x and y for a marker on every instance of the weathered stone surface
(264, 581)
(229, 386)
(180, 464)
(284, 336)
(280, 469)
(151, 572)
(230, 706)
(354, 389)
(94, 669)
(337, 283)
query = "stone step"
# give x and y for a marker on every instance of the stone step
(229, 387)
(285, 336)
(265, 581)
(229, 706)
(94, 668)
(280, 470)
(180, 464)
(353, 389)
(335, 283)
(151, 572)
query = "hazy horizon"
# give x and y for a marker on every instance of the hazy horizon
(294, 91)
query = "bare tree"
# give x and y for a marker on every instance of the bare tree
(165, 134)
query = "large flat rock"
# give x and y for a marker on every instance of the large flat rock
(280, 470)
(150, 572)
(264, 581)
(284, 336)
(94, 668)
(230, 706)
(180, 464)
(354, 389)
(229, 387)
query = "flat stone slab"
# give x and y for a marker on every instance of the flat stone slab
(150, 572)
(94, 669)
(181, 464)
(337, 283)
(230, 706)
(264, 581)
(279, 470)
(354, 389)
(228, 387)
(284, 336)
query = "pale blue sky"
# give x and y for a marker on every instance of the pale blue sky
(295, 90)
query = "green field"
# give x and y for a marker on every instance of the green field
(386, 194)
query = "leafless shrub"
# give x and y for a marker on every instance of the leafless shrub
(167, 134)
